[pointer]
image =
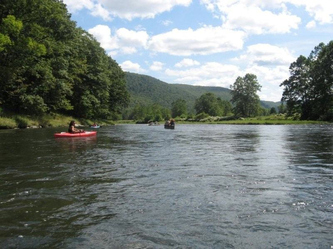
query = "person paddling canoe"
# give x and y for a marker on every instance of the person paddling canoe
(72, 129)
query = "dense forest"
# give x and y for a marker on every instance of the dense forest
(47, 64)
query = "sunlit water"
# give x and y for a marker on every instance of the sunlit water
(139, 186)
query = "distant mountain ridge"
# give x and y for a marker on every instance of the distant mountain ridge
(147, 90)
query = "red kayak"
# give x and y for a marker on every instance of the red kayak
(80, 134)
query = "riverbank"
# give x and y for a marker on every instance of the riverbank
(52, 120)
(261, 120)
(57, 120)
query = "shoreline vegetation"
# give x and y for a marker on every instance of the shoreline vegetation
(277, 119)
(57, 120)
(52, 120)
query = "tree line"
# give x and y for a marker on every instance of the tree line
(47, 64)
(308, 92)
(244, 103)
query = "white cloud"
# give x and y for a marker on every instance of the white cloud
(311, 25)
(320, 10)
(223, 5)
(98, 10)
(271, 66)
(127, 50)
(103, 35)
(267, 55)
(74, 5)
(131, 67)
(208, 74)
(203, 41)
(157, 66)
(128, 9)
(273, 76)
(131, 9)
(130, 38)
(187, 63)
(256, 17)
(232, 10)
(166, 22)
(270, 80)
(257, 21)
(124, 41)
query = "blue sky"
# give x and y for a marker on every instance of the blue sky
(207, 42)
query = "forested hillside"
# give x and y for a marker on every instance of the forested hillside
(146, 90)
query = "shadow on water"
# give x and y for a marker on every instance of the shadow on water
(310, 157)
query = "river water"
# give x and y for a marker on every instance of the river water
(139, 186)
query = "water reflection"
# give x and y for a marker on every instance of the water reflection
(311, 148)
(246, 140)
(310, 157)
(76, 143)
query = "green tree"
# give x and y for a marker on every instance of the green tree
(178, 108)
(309, 89)
(209, 104)
(47, 64)
(282, 108)
(297, 89)
(138, 113)
(244, 95)
(145, 113)
(27, 76)
(322, 77)
(272, 111)
(225, 107)
(99, 84)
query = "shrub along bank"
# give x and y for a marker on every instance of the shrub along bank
(52, 120)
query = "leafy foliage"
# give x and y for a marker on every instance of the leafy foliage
(47, 64)
(309, 89)
(153, 112)
(208, 103)
(244, 96)
(179, 108)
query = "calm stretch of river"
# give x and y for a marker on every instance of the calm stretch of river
(139, 186)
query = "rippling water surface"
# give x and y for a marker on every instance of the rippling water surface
(198, 186)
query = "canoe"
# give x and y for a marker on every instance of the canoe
(169, 126)
(95, 126)
(81, 134)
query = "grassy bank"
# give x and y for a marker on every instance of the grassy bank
(56, 120)
(52, 120)
(261, 120)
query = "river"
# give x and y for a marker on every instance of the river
(139, 186)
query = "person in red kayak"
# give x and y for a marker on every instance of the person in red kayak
(72, 129)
